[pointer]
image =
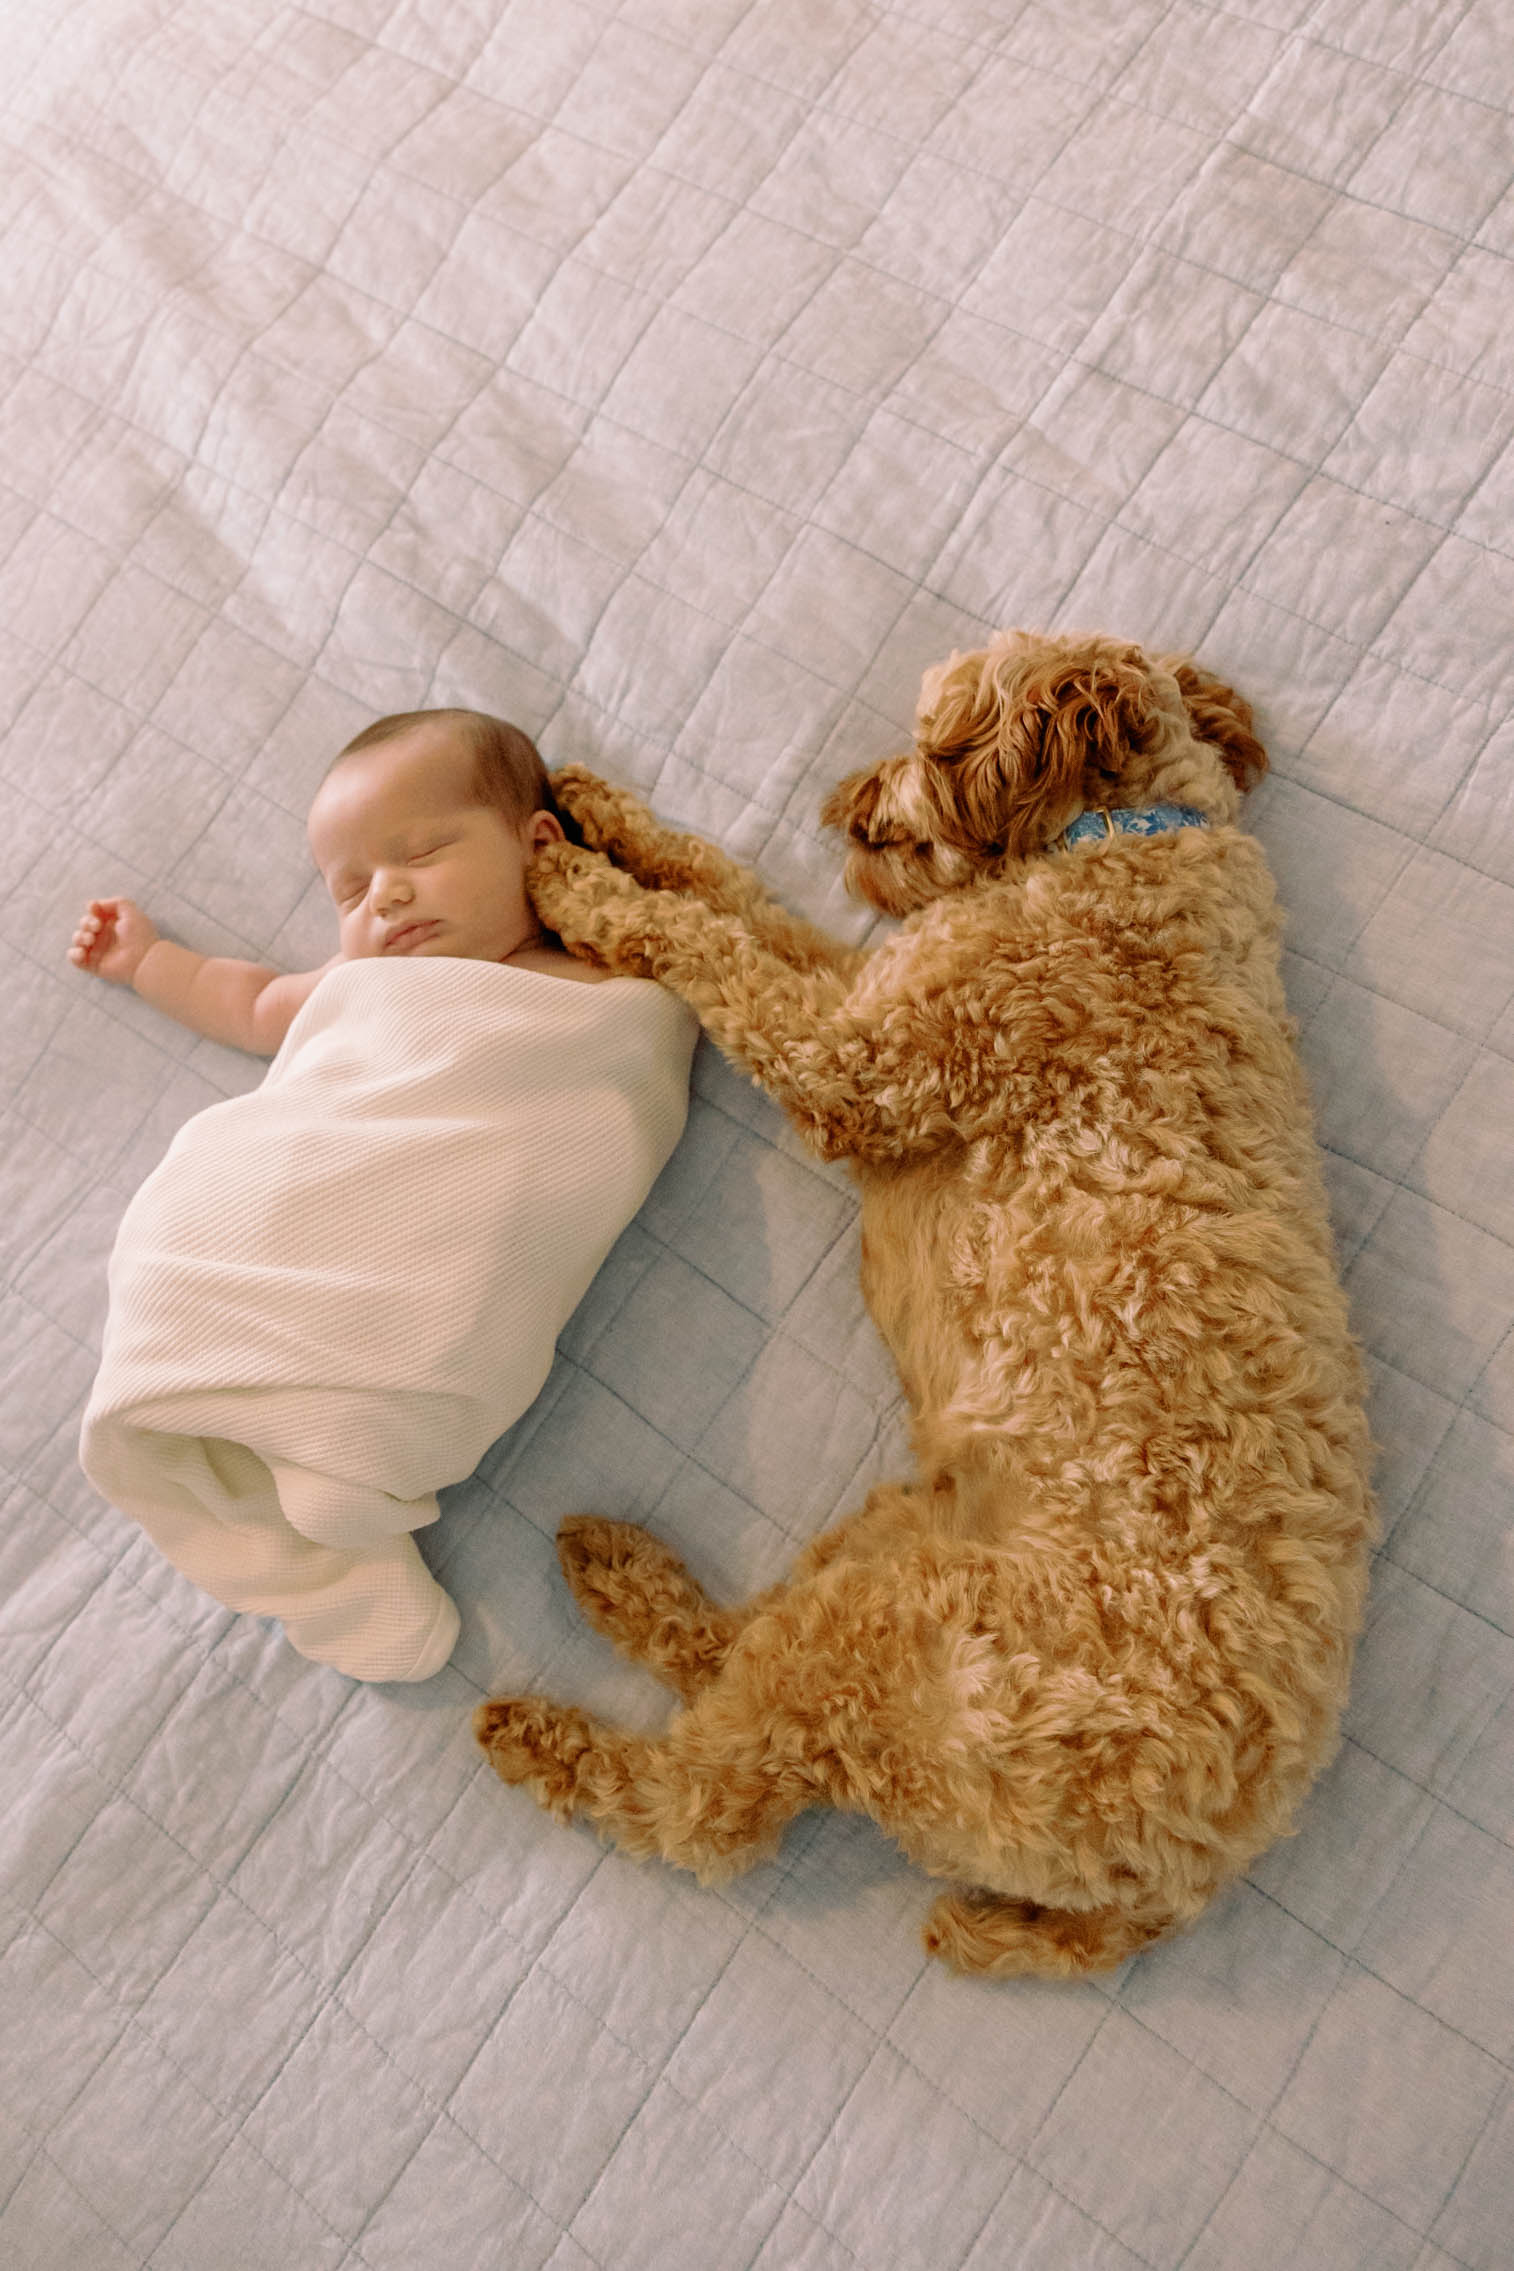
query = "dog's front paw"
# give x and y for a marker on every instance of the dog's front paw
(561, 870)
(583, 796)
(610, 819)
(536, 1745)
(570, 889)
(618, 823)
(598, 911)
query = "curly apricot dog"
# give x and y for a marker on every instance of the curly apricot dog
(1087, 1663)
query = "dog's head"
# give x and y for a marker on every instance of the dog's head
(1013, 742)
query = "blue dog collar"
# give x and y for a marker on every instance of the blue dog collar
(1119, 820)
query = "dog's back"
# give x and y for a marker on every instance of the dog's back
(1086, 1661)
(1137, 1403)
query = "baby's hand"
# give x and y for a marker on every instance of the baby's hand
(111, 940)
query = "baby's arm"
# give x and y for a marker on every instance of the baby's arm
(242, 1004)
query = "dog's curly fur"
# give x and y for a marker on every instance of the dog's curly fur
(1086, 1664)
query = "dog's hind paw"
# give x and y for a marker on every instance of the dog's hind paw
(636, 1591)
(1006, 1939)
(537, 1745)
(602, 1560)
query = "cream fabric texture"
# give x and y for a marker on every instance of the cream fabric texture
(338, 1290)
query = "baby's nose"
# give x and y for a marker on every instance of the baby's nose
(391, 891)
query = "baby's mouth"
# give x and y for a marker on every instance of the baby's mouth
(408, 936)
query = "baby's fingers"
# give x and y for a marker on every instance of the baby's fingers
(93, 931)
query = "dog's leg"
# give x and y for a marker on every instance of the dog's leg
(878, 1083)
(790, 1720)
(636, 1592)
(1007, 1939)
(664, 859)
(801, 1713)
(710, 1795)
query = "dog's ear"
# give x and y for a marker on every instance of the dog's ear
(861, 808)
(902, 852)
(1029, 732)
(1222, 717)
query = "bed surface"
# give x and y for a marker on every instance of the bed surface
(678, 378)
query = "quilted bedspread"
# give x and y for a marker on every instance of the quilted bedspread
(678, 378)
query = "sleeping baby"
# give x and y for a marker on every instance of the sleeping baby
(336, 1291)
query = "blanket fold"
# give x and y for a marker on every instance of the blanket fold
(335, 1292)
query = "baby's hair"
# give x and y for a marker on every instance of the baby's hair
(508, 769)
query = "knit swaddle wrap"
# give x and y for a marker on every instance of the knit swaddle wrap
(336, 1291)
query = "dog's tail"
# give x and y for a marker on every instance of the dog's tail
(1005, 1939)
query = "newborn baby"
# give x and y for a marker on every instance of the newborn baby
(335, 1292)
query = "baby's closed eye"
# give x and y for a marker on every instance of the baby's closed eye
(348, 885)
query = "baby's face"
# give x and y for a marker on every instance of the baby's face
(413, 863)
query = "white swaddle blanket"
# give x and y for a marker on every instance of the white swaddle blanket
(335, 1292)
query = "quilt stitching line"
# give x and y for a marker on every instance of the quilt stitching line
(34, 1929)
(1335, 2176)
(1431, 1790)
(225, 1886)
(663, 2080)
(627, 569)
(131, 2024)
(1024, 2161)
(1397, 1184)
(222, 1887)
(693, 1459)
(1354, 1964)
(1144, 236)
(1495, 2113)
(1384, 1551)
(1405, 1180)
(42, 2154)
(1391, 1520)
(445, 2111)
(1481, 1379)
(1363, 650)
(444, 2119)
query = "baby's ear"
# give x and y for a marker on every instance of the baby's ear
(545, 828)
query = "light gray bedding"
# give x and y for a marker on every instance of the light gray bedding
(678, 378)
